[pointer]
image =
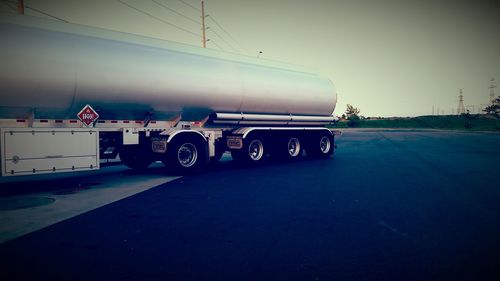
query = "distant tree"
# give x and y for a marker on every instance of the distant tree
(468, 118)
(493, 108)
(352, 114)
(352, 111)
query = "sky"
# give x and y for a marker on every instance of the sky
(386, 57)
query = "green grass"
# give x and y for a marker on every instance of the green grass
(449, 122)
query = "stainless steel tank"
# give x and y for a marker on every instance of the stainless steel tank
(53, 69)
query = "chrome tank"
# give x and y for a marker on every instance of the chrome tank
(53, 69)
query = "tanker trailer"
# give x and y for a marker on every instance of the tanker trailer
(72, 95)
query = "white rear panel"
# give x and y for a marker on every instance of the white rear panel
(48, 150)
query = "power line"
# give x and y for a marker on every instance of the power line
(224, 30)
(216, 45)
(6, 2)
(158, 19)
(187, 4)
(44, 13)
(223, 40)
(174, 11)
(10, 7)
(218, 25)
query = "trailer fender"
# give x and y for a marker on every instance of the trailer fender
(176, 133)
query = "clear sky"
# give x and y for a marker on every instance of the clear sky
(387, 57)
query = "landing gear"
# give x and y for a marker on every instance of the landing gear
(219, 151)
(135, 157)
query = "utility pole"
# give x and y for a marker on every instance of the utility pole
(20, 7)
(461, 107)
(492, 90)
(204, 40)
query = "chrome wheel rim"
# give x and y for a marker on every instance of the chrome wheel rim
(256, 150)
(293, 147)
(324, 144)
(187, 155)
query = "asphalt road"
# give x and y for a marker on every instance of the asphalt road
(389, 206)
(30, 203)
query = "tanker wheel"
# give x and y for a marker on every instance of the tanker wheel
(186, 155)
(135, 157)
(252, 152)
(289, 148)
(320, 146)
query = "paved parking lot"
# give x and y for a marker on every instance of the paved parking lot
(30, 203)
(391, 205)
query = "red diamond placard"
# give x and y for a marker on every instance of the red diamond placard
(88, 115)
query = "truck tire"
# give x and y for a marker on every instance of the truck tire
(320, 146)
(289, 148)
(186, 155)
(135, 157)
(253, 151)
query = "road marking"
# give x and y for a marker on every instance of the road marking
(18, 222)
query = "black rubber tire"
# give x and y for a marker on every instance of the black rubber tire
(135, 157)
(313, 147)
(173, 161)
(281, 148)
(244, 156)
